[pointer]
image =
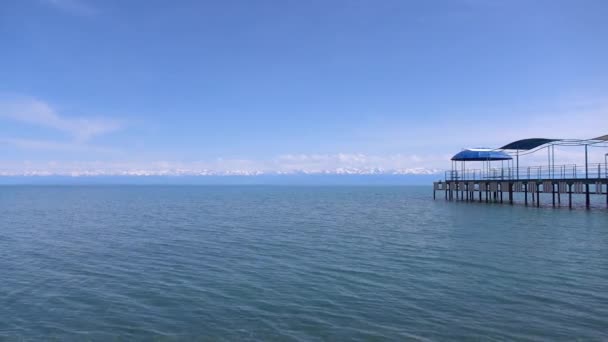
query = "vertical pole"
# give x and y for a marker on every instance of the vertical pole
(510, 193)
(461, 171)
(489, 167)
(553, 192)
(606, 165)
(570, 195)
(517, 165)
(606, 171)
(552, 161)
(463, 184)
(587, 199)
(526, 194)
(457, 188)
(537, 195)
(452, 173)
(549, 162)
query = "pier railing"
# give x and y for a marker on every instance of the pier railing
(570, 171)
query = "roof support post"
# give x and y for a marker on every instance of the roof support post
(606, 171)
(587, 198)
(606, 165)
(552, 161)
(548, 162)
(517, 166)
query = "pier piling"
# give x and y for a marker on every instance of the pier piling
(587, 196)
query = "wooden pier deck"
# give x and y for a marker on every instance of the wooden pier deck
(500, 184)
(502, 191)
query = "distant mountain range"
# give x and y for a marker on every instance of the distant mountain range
(186, 172)
(232, 179)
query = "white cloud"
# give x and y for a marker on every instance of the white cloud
(358, 161)
(578, 120)
(35, 112)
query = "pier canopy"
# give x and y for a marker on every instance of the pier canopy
(602, 138)
(527, 144)
(480, 154)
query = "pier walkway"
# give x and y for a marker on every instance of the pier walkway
(498, 185)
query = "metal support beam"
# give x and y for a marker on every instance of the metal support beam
(606, 171)
(517, 166)
(587, 198)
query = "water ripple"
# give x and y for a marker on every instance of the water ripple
(295, 264)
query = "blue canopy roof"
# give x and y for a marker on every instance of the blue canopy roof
(480, 155)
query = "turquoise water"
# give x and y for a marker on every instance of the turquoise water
(295, 263)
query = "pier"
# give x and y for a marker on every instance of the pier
(492, 184)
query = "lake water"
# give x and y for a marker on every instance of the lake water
(295, 263)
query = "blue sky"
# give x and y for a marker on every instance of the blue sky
(266, 86)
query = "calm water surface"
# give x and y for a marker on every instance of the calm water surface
(295, 263)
